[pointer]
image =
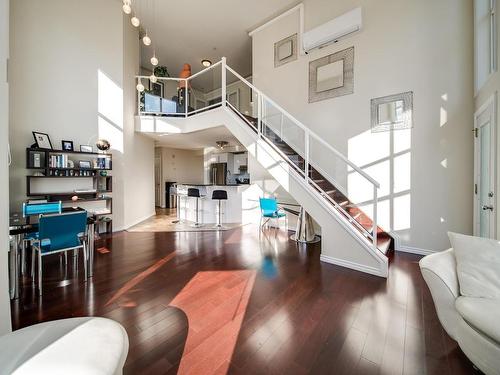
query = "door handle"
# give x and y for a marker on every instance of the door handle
(485, 207)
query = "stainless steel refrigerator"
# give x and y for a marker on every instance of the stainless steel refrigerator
(218, 173)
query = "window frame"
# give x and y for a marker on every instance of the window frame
(492, 68)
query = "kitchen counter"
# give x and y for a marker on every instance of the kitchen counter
(231, 208)
(217, 185)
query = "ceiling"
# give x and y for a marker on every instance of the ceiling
(191, 30)
(196, 140)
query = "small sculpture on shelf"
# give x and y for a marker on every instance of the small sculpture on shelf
(103, 145)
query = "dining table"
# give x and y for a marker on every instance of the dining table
(21, 225)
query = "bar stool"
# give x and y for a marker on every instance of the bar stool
(219, 195)
(195, 193)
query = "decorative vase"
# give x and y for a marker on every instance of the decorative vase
(103, 145)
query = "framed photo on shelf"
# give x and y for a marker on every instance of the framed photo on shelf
(42, 140)
(86, 148)
(67, 145)
(84, 164)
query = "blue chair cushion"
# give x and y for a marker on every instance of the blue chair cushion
(277, 214)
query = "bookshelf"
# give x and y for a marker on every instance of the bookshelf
(59, 175)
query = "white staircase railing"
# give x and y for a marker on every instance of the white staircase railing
(268, 119)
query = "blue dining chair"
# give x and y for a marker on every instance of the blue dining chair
(59, 233)
(33, 209)
(269, 210)
(30, 209)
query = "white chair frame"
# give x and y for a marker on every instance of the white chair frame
(36, 248)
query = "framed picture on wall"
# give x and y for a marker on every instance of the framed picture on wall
(156, 88)
(285, 50)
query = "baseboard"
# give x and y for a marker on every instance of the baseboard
(127, 226)
(351, 265)
(408, 249)
(414, 250)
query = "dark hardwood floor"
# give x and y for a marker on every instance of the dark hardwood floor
(217, 303)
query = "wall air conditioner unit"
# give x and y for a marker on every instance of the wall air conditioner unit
(332, 31)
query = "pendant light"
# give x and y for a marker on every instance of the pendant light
(135, 21)
(146, 39)
(140, 86)
(127, 9)
(153, 78)
(154, 60)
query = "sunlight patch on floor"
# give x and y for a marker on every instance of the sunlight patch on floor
(215, 303)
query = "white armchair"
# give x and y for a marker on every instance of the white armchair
(472, 322)
(68, 346)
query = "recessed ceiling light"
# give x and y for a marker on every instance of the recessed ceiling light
(206, 63)
(222, 144)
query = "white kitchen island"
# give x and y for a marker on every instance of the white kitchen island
(232, 208)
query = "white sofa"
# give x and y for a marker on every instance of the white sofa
(76, 346)
(473, 322)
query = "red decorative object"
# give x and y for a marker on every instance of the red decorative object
(185, 73)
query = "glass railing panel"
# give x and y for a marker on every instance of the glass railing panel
(205, 90)
(284, 133)
(160, 97)
(242, 99)
(342, 184)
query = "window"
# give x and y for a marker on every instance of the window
(484, 41)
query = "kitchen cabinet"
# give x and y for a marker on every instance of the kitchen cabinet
(221, 158)
(239, 160)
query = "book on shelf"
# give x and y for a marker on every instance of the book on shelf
(102, 162)
(58, 161)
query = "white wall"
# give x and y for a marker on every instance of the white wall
(5, 324)
(182, 166)
(419, 46)
(243, 91)
(139, 199)
(72, 78)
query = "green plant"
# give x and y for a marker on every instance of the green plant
(161, 71)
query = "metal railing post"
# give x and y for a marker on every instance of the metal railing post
(306, 152)
(223, 95)
(375, 226)
(186, 98)
(281, 126)
(259, 114)
(138, 98)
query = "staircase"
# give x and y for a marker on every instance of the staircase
(360, 221)
(311, 170)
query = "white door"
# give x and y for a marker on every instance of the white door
(158, 182)
(485, 170)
